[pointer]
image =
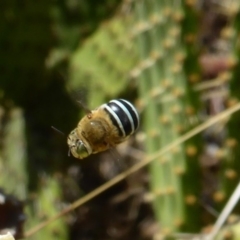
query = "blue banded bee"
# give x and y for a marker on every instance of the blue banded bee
(103, 128)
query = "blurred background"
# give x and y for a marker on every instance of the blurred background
(177, 61)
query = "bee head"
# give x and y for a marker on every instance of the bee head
(78, 147)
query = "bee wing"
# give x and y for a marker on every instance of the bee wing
(86, 109)
(115, 154)
(80, 97)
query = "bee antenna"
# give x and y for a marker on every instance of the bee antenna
(58, 131)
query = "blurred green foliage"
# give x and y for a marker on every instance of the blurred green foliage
(103, 63)
(145, 51)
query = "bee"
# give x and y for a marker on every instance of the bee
(103, 128)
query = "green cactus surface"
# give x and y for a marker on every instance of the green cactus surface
(168, 112)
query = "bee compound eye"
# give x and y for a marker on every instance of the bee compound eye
(81, 150)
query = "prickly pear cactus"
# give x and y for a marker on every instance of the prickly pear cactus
(13, 152)
(102, 63)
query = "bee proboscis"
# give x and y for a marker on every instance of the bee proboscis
(103, 128)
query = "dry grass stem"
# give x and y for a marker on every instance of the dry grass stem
(223, 115)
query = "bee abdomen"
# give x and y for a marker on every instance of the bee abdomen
(123, 115)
